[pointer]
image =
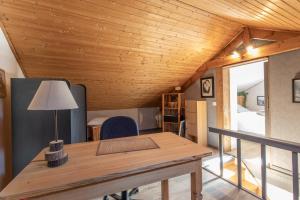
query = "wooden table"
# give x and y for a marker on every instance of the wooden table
(87, 176)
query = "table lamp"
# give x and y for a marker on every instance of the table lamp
(54, 95)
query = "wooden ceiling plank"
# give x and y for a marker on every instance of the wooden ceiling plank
(117, 14)
(169, 12)
(275, 12)
(236, 13)
(168, 34)
(283, 8)
(260, 14)
(182, 10)
(54, 61)
(67, 40)
(295, 4)
(247, 11)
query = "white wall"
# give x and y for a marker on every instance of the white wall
(8, 61)
(253, 92)
(145, 117)
(248, 75)
(285, 115)
(12, 70)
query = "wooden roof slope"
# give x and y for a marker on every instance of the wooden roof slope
(129, 52)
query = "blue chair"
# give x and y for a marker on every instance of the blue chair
(118, 127)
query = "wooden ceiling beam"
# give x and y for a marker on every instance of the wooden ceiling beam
(246, 36)
(272, 35)
(264, 51)
(288, 41)
(231, 46)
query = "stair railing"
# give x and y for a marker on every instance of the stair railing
(293, 147)
(248, 169)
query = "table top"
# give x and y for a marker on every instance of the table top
(84, 167)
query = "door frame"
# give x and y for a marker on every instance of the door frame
(223, 98)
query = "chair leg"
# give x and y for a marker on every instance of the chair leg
(133, 191)
(125, 195)
(105, 198)
(115, 196)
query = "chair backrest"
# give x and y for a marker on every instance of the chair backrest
(116, 127)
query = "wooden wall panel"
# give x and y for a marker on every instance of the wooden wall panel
(126, 52)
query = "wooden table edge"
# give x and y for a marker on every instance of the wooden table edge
(106, 179)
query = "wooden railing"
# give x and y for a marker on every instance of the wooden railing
(293, 147)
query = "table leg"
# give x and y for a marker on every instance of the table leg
(165, 189)
(196, 183)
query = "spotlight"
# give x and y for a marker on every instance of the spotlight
(251, 50)
(235, 54)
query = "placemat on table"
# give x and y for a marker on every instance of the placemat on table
(122, 145)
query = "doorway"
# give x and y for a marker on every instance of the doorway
(247, 98)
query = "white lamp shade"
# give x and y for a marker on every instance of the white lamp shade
(53, 95)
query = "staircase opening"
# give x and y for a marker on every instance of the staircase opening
(248, 112)
(247, 90)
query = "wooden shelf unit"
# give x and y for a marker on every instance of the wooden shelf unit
(172, 111)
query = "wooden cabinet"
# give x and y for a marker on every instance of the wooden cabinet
(241, 100)
(196, 121)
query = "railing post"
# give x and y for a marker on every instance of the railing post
(295, 176)
(263, 172)
(239, 163)
(221, 154)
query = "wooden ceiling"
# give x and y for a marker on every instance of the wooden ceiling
(273, 14)
(129, 52)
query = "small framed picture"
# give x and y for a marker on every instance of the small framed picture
(207, 87)
(260, 100)
(296, 90)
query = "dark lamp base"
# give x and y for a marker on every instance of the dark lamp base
(55, 155)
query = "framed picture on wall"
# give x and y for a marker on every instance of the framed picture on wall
(207, 87)
(2, 84)
(296, 90)
(260, 100)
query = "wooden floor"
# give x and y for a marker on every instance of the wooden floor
(214, 189)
